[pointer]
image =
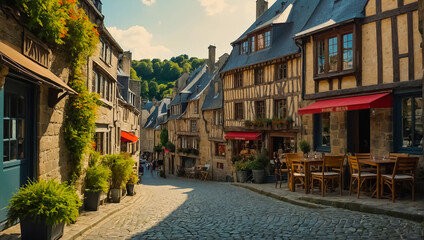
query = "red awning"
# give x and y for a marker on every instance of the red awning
(382, 100)
(128, 137)
(243, 135)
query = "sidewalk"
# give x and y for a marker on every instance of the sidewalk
(401, 208)
(86, 220)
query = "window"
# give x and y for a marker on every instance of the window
(334, 53)
(238, 80)
(102, 85)
(260, 109)
(281, 71)
(408, 123)
(99, 142)
(189, 142)
(126, 113)
(105, 52)
(261, 41)
(15, 126)
(124, 146)
(220, 165)
(259, 76)
(280, 108)
(217, 118)
(252, 44)
(347, 51)
(322, 132)
(216, 88)
(220, 149)
(131, 98)
(267, 39)
(238, 111)
(193, 125)
(244, 47)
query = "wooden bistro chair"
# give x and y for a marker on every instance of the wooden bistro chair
(404, 171)
(366, 156)
(293, 171)
(358, 175)
(328, 173)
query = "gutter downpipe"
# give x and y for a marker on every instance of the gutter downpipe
(300, 44)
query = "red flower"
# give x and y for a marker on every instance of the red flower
(60, 2)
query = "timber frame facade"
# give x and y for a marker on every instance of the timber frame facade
(378, 53)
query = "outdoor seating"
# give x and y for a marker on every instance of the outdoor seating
(296, 170)
(404, 171)
(358, 175)
(204, 172)
(328, 173)
(365, 156)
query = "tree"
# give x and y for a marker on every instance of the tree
(187, 67)
(153, 89)
(144, 92)
(163, 137)
(133, 74)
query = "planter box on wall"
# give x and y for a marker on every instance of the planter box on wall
(31, 229)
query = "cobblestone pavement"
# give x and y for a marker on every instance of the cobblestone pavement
(188, 209)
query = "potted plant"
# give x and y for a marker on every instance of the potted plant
(289, 120)
(257, 166)
(96, 182)
(304, 146)
(130, 184)
(248, 123)
(43, 208)
(241, 169)
(121, 167)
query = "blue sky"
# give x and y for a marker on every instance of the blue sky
(166, 28)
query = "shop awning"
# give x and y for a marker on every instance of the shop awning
(23, 64)
(382, 100)
(128, 137)
(243, 135)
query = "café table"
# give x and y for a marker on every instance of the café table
(307, 162)
(378, 163)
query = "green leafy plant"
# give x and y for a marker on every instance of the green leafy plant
(236, 158)
(259, 161)
(121, 167)
(304, 146)
(94, 158)
(164, 137)
(97, 179)
(289, 120)
(157, 148)
(133, 179)
(241, 165)
(248, 123)
(170, 146)
(51, 201)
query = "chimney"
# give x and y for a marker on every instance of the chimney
(126, 62)
(261, 7)
(211, 63)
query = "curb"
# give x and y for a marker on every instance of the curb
(72, 236)
(358, 207)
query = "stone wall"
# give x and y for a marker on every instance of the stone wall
(381, 131)
(338, 133)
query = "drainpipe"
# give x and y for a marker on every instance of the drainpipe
(300, 44)
(210, 143)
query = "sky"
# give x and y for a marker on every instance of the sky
(168, 28)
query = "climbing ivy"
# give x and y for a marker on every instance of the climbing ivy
(62, 22)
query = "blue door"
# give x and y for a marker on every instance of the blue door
(17, 139)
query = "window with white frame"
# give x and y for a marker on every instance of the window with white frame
(102, 85)
(106, 52)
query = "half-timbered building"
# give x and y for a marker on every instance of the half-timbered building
(262, 81)
(363, 77)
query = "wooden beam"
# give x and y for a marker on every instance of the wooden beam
(379, 53)
(411, 47)
(395, 47)
(364, 89)
(400, 3)
(387, 14)
(378, 6)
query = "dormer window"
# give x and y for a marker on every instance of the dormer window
(260, 40)
(244, 47)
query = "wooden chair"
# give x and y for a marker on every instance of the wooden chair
(297, 171)
(328, 173)
(404, 171)
(366, 156)
(358, 175)
(393, 156)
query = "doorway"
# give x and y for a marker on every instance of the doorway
(358, 131)
(18, 143)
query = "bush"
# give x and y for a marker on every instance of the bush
(51, 201)
(170, 146)
(304, 146)
(133, 179)
(94, 158)
(97, 179)
(121, 167)
(157, 148)
(241, 165)
(259, 161)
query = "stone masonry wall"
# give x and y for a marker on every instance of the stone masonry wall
(381, 131)
(338, 133)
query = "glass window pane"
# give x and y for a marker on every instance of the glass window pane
(321, 57)
(332, 53)
(325, 129)
(6, 105)
(13, 106)
(347, 52)
(418, 130)
(406, 122)
(6, 156)
(21, 148)
(13, 149)
(6, 129)
(13, 129)
(21, 106)
(252, 43)
(21, 128)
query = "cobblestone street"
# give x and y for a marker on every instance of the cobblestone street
(187, 209)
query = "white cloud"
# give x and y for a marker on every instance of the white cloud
(213, 7)
(148, 2)
(140, 42)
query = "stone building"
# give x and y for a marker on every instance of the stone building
(262, 82)
(362, 80)
(129, 109)
(186, 124)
